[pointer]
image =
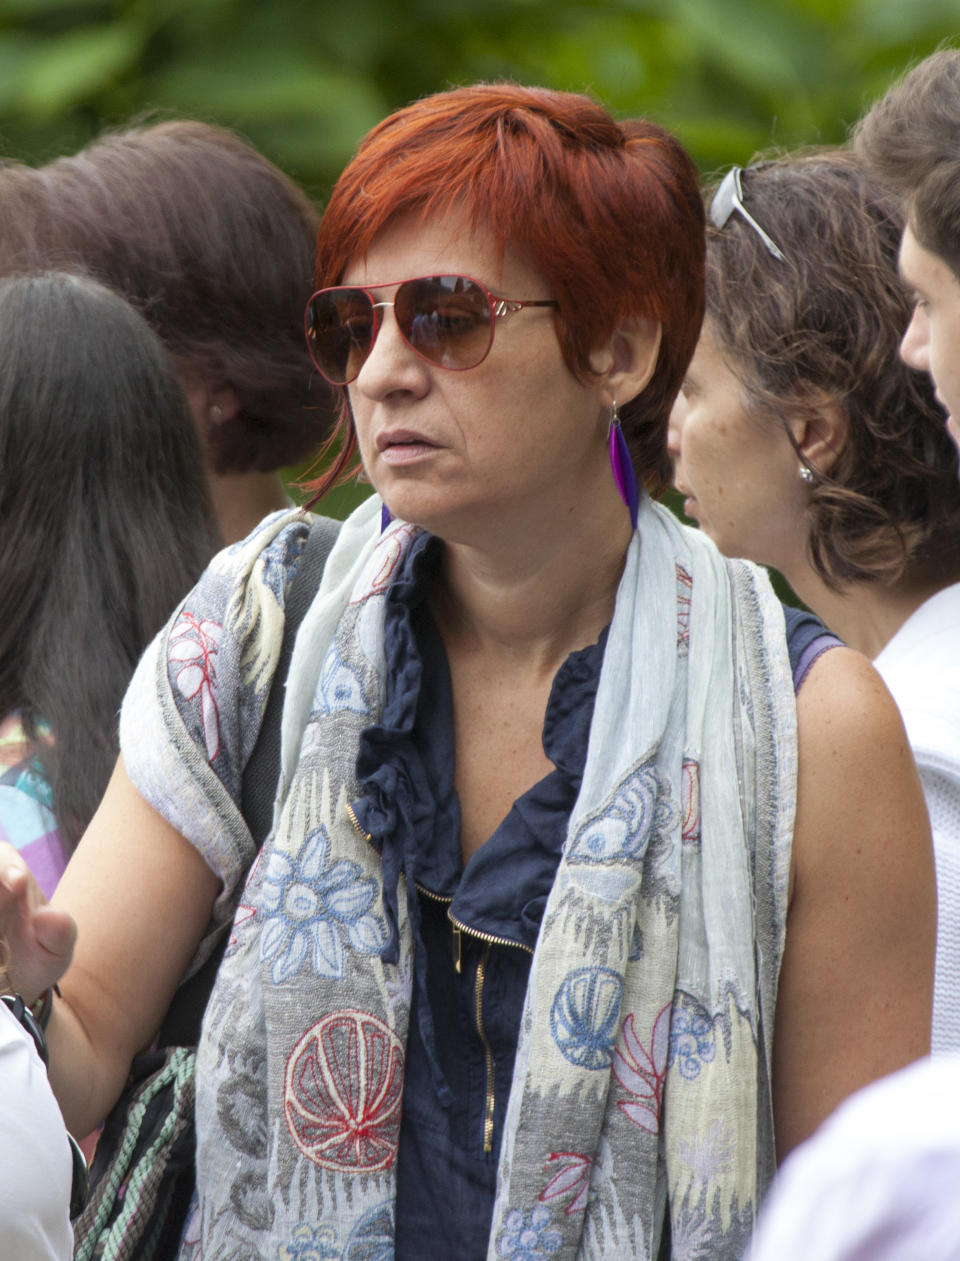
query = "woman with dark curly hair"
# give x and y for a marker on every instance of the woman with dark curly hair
(802, 441)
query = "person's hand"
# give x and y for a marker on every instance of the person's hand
(36, 940)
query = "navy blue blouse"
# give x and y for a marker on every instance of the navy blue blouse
(475, 925)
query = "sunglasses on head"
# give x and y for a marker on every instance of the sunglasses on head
(729, 199)
(448, 320)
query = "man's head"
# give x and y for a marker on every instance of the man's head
(910, 139)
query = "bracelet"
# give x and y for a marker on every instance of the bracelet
(42, 1005)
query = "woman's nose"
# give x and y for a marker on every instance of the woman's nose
(391, 364)
(915, 343)
(675, 428)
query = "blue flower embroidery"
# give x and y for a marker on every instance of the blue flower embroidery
(583, 1018)
(339, 687)
(527, 1236)
(372, 1237)
(310, 905)
(692, 1037)
(311, 1243)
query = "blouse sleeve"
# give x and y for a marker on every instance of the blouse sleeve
(193, 711)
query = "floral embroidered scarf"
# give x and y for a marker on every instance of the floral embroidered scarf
(640, 1106)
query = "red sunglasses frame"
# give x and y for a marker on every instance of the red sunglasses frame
(499, 307)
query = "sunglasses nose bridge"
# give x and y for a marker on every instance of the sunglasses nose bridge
(398, 331)
(377, 308)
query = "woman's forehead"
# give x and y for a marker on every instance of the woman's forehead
(418, 245)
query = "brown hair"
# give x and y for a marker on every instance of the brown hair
(910, 139)
(214, 245)
(826, 324)
(609, 212)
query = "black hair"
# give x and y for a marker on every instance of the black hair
(105, 519)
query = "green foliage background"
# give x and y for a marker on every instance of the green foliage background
(305, 79)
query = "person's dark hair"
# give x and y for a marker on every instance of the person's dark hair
(910, 140)
(214, 246)
(106, 519)
(610, 213)
(824, 327)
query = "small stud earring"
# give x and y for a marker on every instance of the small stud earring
(216, 413)
(806, 474)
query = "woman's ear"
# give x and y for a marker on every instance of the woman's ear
(628, 360)
(820, 433)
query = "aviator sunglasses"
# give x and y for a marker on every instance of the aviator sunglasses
(728, 200)
(448, 320)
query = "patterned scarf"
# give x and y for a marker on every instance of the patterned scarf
(641, 1100)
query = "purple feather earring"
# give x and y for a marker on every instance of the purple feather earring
(624, 476)
(385, 518)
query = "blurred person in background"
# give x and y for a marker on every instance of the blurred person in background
(878, 1180)
(213, 244)
(38, 1160)
(804, 442)
(105, 520)
(909, 140)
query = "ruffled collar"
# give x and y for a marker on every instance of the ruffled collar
(405, 764)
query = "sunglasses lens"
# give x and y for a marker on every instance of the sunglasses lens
(446, 319)
(340, 329)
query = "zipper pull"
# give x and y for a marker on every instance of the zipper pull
(457, 949)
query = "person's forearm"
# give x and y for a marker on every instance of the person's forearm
(87, 1073)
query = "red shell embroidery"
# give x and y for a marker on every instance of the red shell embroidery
(690, 797)
(342, 1093)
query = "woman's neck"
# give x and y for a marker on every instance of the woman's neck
(242, 500)
(865, 615)
(533, 599)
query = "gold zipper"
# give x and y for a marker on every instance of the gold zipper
(487, 937)
(490, 939)
(352, 816)
(489, 1102)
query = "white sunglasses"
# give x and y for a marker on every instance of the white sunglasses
(729, 198)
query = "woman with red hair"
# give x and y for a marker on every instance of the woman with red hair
(570, 894)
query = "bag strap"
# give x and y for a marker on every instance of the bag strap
(259, 787)
(181, 1026)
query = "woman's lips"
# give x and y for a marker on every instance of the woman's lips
(403, 447)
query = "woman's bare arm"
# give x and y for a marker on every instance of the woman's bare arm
(856, 984)
(140, 896)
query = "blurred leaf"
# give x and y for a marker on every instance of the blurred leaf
(16, 53)
(70, 67)
(84, 10)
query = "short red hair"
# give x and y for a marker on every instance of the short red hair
(610, 213)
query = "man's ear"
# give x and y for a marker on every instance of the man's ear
(820, 433)
(628, 360)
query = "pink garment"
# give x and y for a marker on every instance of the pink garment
(27, 820)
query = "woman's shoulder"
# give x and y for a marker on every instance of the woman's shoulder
(193, 710)
(845, 696)
(260, 565)
(807, 640)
